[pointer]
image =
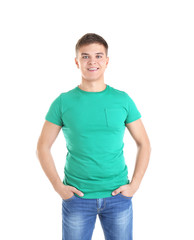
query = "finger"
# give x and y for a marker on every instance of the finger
(115, 192)
(75, 190)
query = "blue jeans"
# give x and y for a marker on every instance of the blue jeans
(115, 214)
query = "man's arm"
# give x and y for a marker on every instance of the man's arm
(47, 137)
(139, 134)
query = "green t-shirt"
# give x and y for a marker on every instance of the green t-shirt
(93, 124)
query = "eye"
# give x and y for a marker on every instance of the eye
(99, 56)
(84, 56)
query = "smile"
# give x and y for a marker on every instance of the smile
(93, 69)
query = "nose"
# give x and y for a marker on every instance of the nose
(92, 60)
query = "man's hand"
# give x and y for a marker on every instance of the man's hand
(66, 191)
(127, 190)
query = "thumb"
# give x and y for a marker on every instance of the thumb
(75, 190)
(115, 192)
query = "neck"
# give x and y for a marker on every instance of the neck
(92, 86)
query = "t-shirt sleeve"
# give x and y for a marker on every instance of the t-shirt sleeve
(133, 113)
(54, 114)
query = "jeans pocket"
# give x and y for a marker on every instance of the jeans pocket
(69, 199)
(120, 194)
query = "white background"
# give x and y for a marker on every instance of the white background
(151, 54)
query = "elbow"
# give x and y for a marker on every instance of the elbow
(145, 144)
(42, 147)
(39, 149)
(36, 152)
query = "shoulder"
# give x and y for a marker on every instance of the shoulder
(117, 91)
(67, 94)
(120, 93)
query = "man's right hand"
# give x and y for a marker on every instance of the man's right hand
(66, 191)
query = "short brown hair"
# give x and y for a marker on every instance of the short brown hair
(90, 38)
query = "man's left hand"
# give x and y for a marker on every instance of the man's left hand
(127, 190)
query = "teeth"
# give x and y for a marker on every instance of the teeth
(92, 68)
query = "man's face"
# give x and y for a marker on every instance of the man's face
(92, 61)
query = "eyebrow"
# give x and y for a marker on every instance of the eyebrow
(96, 53)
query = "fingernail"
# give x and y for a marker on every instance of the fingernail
(113, 193)
(82, 194)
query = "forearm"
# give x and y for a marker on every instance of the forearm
(142, 160)
(47, 163)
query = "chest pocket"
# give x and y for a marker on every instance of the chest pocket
(114, 117)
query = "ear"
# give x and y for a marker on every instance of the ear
(107, 60)
(76, 62)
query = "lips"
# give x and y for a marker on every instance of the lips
(93, 69)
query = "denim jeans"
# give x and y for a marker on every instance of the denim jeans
(115, 215)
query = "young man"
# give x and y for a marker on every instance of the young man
(93, 117)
